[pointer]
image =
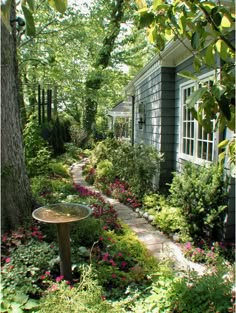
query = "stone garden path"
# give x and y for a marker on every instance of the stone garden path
(159, 245)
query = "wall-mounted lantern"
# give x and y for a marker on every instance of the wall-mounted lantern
(141, 115)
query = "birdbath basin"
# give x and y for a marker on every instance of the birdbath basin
(62, 214)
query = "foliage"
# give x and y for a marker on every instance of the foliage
(83, 297)
(78, 135)
(105, 169)
(135, 165)
(190, 292)
(199, 191)
(26, 264)
(205, 28)
(210, 253)
(37, 152)
(86, 232)
(120, 259)
(17, 301)
(58, 169)
(171, 220)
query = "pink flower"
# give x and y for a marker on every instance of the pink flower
(113, 275)
(42, 277)
(47, 273)
(59, 278)
(101, 238)
(105, 257)
(123, 264)
(112, 263)
(119, 254)
(8, 260)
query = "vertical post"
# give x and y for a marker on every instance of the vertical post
(64, 250)
(55, 102)
(43, 104)
(39, 105)
(49, 104)
(132, 130)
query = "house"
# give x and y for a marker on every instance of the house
(120, 118)
(161, 118)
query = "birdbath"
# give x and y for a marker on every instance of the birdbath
(62, 214)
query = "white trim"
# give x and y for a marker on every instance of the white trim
(180, 155)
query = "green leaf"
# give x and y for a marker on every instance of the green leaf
(217, 18)
(30, 28)
(59, 5)
(195, 40)
(141, 4)
(145, 19)
(196, 96)
(197, 64)
(222, 49)
(223, 144)
(226, 22)
(156, 3)
(31, 304)
(21, 298)
(188, 75)
(209, 56)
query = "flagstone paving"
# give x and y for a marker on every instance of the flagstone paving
(158, 244)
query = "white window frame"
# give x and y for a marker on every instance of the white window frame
(194, 158)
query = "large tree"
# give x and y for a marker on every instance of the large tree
(16, 200)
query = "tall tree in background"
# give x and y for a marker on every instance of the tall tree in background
(16, 200)
(102, 61)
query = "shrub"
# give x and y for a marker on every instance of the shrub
(86, 232)
(170, 220)
(58, 169)
(105, 169)
(37, 152)
(191, 293)
(135, 165)
(26, 264)
(85, 297)
(200, 193)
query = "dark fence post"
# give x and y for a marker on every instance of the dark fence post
(49, 104)
(43, 104)
(39, 105)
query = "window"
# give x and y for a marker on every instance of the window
(195, 143)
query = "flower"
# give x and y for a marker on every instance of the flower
(113, 275)
(8, 260)
(105, 257)
(103, 298)
(59, 278)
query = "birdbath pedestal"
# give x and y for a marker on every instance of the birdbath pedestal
(62, 214)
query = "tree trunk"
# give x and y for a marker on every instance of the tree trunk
(16, 199)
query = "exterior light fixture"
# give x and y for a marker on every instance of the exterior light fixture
(142, 117)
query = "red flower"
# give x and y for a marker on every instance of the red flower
(105, 257)
(113, 275)
(103, 298)
(59, 278)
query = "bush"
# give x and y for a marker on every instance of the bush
(200, 193)
(85, 297)
(135, 165)
(37, 152)
(27, 263)
(191, 293)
